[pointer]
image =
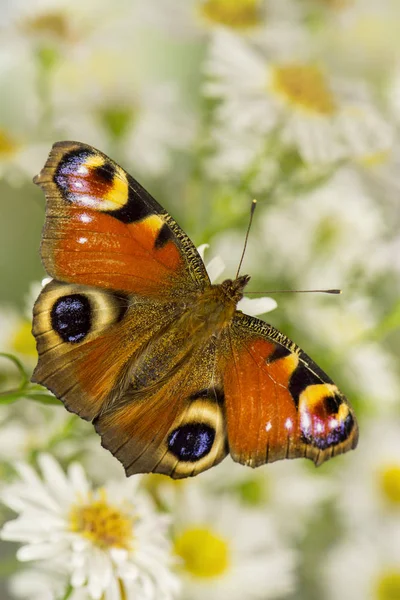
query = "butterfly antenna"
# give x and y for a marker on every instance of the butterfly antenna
(252, 209)
(333, 291)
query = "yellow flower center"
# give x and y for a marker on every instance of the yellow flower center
(238, 14)
(52, 24)
(8, 146)
(390, 484)
(204, 554)
(104, 525)
(23, 341)
(304, 87)
(388, 585)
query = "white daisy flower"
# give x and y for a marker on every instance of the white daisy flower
(196, 18)
(48, 25)
(251, 306)
(361, 33)
(370, 487)
(363, 566)
(109, 541)
(40, 584)
(284, 489)
(313, 236)
(229, 552)
(144, 122)
(288, 97)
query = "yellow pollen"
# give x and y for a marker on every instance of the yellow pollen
(204, 553)
(237, 14)
(388, 585)
(52, 24)
(389, 480)
(375, 159)
(106, 526)
(8, 146)
(304, 87)
(23, 341)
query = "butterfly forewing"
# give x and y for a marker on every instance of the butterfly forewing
(103, 229)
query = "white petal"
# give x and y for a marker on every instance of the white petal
(257, 306)
(215, 268)
(119, 555)
(78, 578)
(78, 479)
(39, 551)
(55, 478)
(201, 250)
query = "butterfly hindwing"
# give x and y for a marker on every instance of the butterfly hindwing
(128, 365)
(103, 229)
(176, 428)
(279, 403)
(86, 340)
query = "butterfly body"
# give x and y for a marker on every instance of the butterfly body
(132, 335)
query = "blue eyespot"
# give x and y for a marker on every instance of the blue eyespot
(191, 442)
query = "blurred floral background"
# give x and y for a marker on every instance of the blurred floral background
(210, 103)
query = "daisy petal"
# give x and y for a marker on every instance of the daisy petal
(215, 268)
(256, 306)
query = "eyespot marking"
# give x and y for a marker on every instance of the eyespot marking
(71, 318)
(73, 164)
(191, 442)
(325, 418)
(88, 179)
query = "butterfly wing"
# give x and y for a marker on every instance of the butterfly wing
(175, 427)
(279, 403)
(103, 229)
(122, 267)
(114, 344)
(87, 338)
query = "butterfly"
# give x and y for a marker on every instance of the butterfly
(132, 335)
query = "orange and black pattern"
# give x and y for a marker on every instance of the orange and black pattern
(132, 336)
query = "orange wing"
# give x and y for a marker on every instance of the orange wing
(103, 229)
(279, 403)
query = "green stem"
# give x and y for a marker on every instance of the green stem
(68, 592)
(18, 364)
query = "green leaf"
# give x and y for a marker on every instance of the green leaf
(11, 396)
(19, 365)
(35, 393)
(42, 397)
